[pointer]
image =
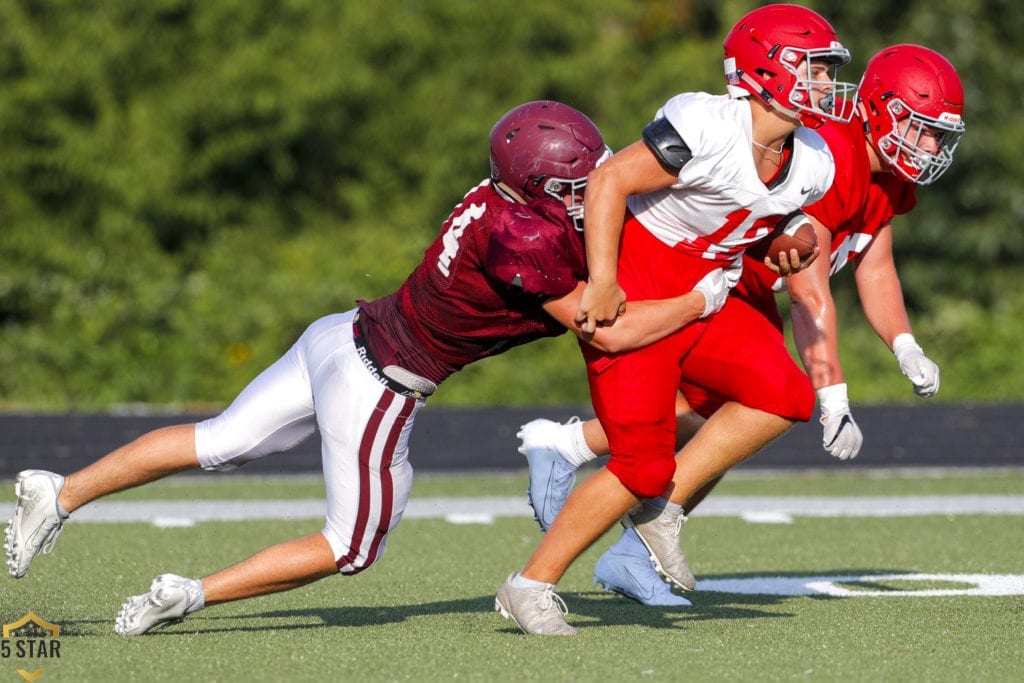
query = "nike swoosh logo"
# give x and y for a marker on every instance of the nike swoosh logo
(805, 190)
(842, 424)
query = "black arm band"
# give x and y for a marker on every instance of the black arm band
(666, 144)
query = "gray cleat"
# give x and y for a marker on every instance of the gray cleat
(659, 532)
(169, 600)
(536, 611)
(37, 520)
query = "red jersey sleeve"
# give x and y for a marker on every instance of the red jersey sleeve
(892, 196)
(842, 204)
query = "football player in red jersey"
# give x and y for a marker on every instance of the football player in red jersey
(506, 269)
(908, 124)
(711, 176)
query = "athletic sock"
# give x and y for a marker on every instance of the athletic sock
(576, 451)
(665, 504)
(520, 581)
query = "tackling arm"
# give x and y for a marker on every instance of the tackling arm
(646, 321)
(634, 170)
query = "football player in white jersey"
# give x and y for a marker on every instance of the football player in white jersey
(711, 176)
(909, 122)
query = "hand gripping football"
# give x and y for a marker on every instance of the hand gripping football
(792, 232)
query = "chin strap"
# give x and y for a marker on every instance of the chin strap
(508, 193)
(805, 118)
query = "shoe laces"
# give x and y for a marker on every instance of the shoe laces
(680, 521)
(675, 524)
(552, 599)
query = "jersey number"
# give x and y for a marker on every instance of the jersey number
(850, 248)
(761, 227)
(451, 237)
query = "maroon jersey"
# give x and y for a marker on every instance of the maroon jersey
(479, 289)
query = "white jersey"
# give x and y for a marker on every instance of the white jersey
(720, 206)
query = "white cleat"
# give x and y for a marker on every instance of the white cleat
(551, 475)
(37, 521)
(536, 611)
(169, 600)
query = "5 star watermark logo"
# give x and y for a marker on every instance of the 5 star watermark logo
(29, 642)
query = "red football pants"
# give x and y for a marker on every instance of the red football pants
(735, 355)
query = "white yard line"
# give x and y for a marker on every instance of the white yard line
(188, 511)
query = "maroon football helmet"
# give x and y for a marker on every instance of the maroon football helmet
(912, 103)
(546, 148)
(763, 55)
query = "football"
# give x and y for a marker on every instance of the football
(792, 232)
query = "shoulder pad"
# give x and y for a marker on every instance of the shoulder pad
(666, 144)
(533, 251)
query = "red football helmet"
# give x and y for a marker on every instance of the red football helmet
(546, 147)
(912, 103)
(764, 52)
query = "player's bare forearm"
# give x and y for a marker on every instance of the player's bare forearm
(602, 300)
(646, 322)
(880, 291)
(643, 323)
(815, 325)
(634, 170)
(815, 334)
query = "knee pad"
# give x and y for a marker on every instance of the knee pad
(644, 477)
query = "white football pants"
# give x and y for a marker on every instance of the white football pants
(321, 383)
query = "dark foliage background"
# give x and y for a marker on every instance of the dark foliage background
(185, 185)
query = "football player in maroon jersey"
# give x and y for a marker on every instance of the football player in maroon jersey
(506, 269)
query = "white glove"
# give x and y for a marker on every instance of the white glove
(841, 436)
(915, 365)
(734, 271)
(715, 288)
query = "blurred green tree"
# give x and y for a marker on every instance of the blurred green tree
(185, 185)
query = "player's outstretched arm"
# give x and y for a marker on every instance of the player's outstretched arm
(646, 321)
(881, 296)
(816, 334)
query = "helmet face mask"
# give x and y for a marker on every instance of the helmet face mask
(570, 192)
(919, 148)
(911, 104)
(787, 56)
(819, 92)
(546, 148)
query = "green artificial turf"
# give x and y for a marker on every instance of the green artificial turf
(425, 611)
